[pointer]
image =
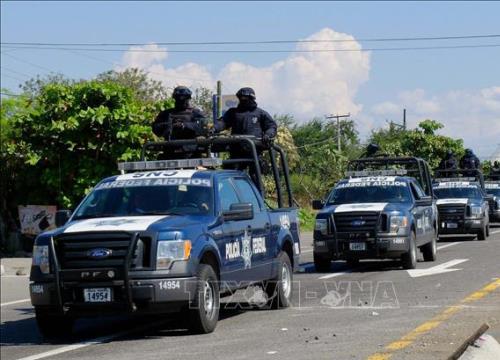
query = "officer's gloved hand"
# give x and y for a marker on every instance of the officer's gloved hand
(178, 125)
(266, 140)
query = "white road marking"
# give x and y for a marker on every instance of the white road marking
(447, 245)
(438, 269)
(329, 276)
(14, 302)
(14, 276)
(311, 250)
(495, 232)
(86, 343)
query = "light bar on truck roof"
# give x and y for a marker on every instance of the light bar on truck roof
(169, 164)
(455, 179)
(387, 172)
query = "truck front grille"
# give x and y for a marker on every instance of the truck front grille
(73, 251)
(359, 222)
(451, 212)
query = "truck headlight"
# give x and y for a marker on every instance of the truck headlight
(321, 225)
(398, 223)
(41, 258)
(476, 211)
(169, 251)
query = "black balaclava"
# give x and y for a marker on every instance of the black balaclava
(247, 103)
(181, 102)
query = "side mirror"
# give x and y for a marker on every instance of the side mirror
(238, 211)
(318, 204)
(424, 201)
(62, 217)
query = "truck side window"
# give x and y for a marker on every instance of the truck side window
(227, 194)
(247, 193)
(417, 191)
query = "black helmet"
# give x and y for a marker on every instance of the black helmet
(468, 151)
(449, 153)
(246, 91)
(181, 91)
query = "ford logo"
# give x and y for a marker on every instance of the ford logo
(99, 253)
(358, 223)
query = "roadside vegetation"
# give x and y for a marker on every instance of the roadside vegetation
(60, 136)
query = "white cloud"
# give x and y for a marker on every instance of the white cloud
(304, 84)
(471, 115)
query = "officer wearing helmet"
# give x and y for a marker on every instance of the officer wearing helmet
(469, 160)
(449, 162)
(180, 122)
(248, 119)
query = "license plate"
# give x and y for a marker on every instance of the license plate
(451, 225)
(357, 246)
(97, 295)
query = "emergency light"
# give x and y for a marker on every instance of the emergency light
(169, 164)
(455, 179)
(387, 172)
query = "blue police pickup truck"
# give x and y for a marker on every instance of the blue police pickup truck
(463, 206)
(375, 215)
(492, 188)
(163, 240)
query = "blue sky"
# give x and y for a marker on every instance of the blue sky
(431, 78)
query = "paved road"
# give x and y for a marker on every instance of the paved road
(344, 314)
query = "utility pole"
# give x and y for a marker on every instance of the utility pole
(219, 98)
(338, 125)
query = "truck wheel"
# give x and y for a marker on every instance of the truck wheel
(429, 250)
(279, 289)
(481, 234)
(321, 263)
(409, 259)
(204, 311)
(53, 326)
(488, 230)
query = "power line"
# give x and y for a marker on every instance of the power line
(175, 43)
(15, 71)
(260, 51)
(29, 63)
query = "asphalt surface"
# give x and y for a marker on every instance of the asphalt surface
(347, 313)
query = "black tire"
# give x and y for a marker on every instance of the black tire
(279, 289)
(481, 234)
(204, 310)
(352, 262)
(429, 250)
(321, 263)
(409, 259)
(54, 326)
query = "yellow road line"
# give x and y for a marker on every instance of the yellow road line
(427, 326)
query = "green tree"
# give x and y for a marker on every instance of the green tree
(72, 136)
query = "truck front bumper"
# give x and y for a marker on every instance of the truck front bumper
(382, 247)
(148, 295)
(467, 226)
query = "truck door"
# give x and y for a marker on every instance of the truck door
(229, 242)
(258, 230)
(423, 216)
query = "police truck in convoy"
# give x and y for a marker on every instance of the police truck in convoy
(462, 203)
(375, 214)
(492, 188)
(164, 236)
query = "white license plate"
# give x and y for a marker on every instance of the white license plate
(451, 225)
(97, 295)
(357, 246)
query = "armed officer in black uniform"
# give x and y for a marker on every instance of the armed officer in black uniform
(248, 119)
(180, 122)
(448, 163)
(470, 161)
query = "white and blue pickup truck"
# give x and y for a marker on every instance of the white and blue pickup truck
(492, 188)
(463, 207)
(375, 215)
(168, 239)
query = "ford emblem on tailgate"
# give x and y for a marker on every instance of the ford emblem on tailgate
(99, 253)
(358, 222)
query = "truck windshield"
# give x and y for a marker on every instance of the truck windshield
(494, 191)
(147, 200)
(350, 195)
(458, 192)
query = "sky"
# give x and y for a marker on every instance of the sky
(458, 87)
